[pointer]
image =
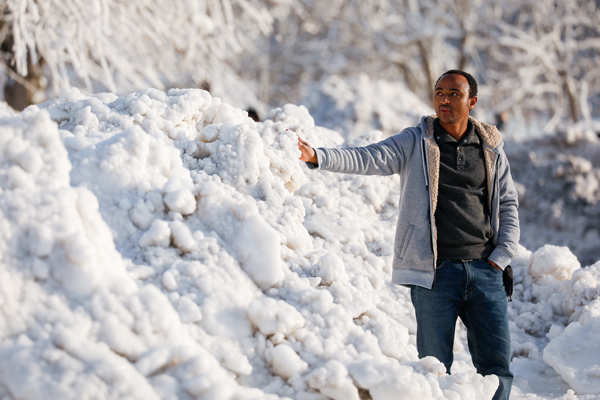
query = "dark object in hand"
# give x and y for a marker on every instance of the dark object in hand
(507, 279)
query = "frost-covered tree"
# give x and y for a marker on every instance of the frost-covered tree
(539, 57)
(119, 45)
(425, 38)
(408, 40)
(543, 58)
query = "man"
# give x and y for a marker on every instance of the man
(457, 227)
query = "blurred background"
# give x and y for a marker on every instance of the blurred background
(357, 65)
(536, 61)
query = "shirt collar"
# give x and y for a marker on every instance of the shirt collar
(441, 136)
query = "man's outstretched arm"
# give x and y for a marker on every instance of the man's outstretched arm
(382, 158)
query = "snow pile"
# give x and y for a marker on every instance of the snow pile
(573, 353)
(75, 323)
(164, 245)
(175, 252)
(558, 303)
(554, 295)
(555, 261)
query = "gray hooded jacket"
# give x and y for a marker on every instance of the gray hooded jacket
(415, 156)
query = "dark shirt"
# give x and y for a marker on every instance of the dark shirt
(462, 216)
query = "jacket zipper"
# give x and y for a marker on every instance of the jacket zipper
(494, 223)
(427, 188)
(425, 173)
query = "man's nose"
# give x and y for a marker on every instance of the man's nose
(445, 99)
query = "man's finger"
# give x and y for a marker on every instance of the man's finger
(304, 145)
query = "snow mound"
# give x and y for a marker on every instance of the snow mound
(555, 261)
(557, 304)
(573, 349)
(51, 231)
(574, 353)
(164, 245)
(75, 322)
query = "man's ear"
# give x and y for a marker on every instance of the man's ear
(472, 102)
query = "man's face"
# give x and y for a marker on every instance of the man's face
(451, 99)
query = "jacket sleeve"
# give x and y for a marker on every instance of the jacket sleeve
(508, 230)
(383, 158)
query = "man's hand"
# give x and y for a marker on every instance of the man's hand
(493, 264)
(308, 153)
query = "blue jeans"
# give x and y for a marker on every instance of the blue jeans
(473, 291)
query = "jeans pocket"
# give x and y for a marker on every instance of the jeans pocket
(492, 276)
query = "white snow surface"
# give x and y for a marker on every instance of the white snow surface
(164, 245)
(555, 261)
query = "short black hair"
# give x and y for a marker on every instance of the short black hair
(468, 76)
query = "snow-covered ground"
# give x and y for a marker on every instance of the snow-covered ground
(164, 245)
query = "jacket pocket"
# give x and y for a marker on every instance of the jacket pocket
(405, 240)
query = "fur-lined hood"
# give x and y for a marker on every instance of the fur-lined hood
(489, 133)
